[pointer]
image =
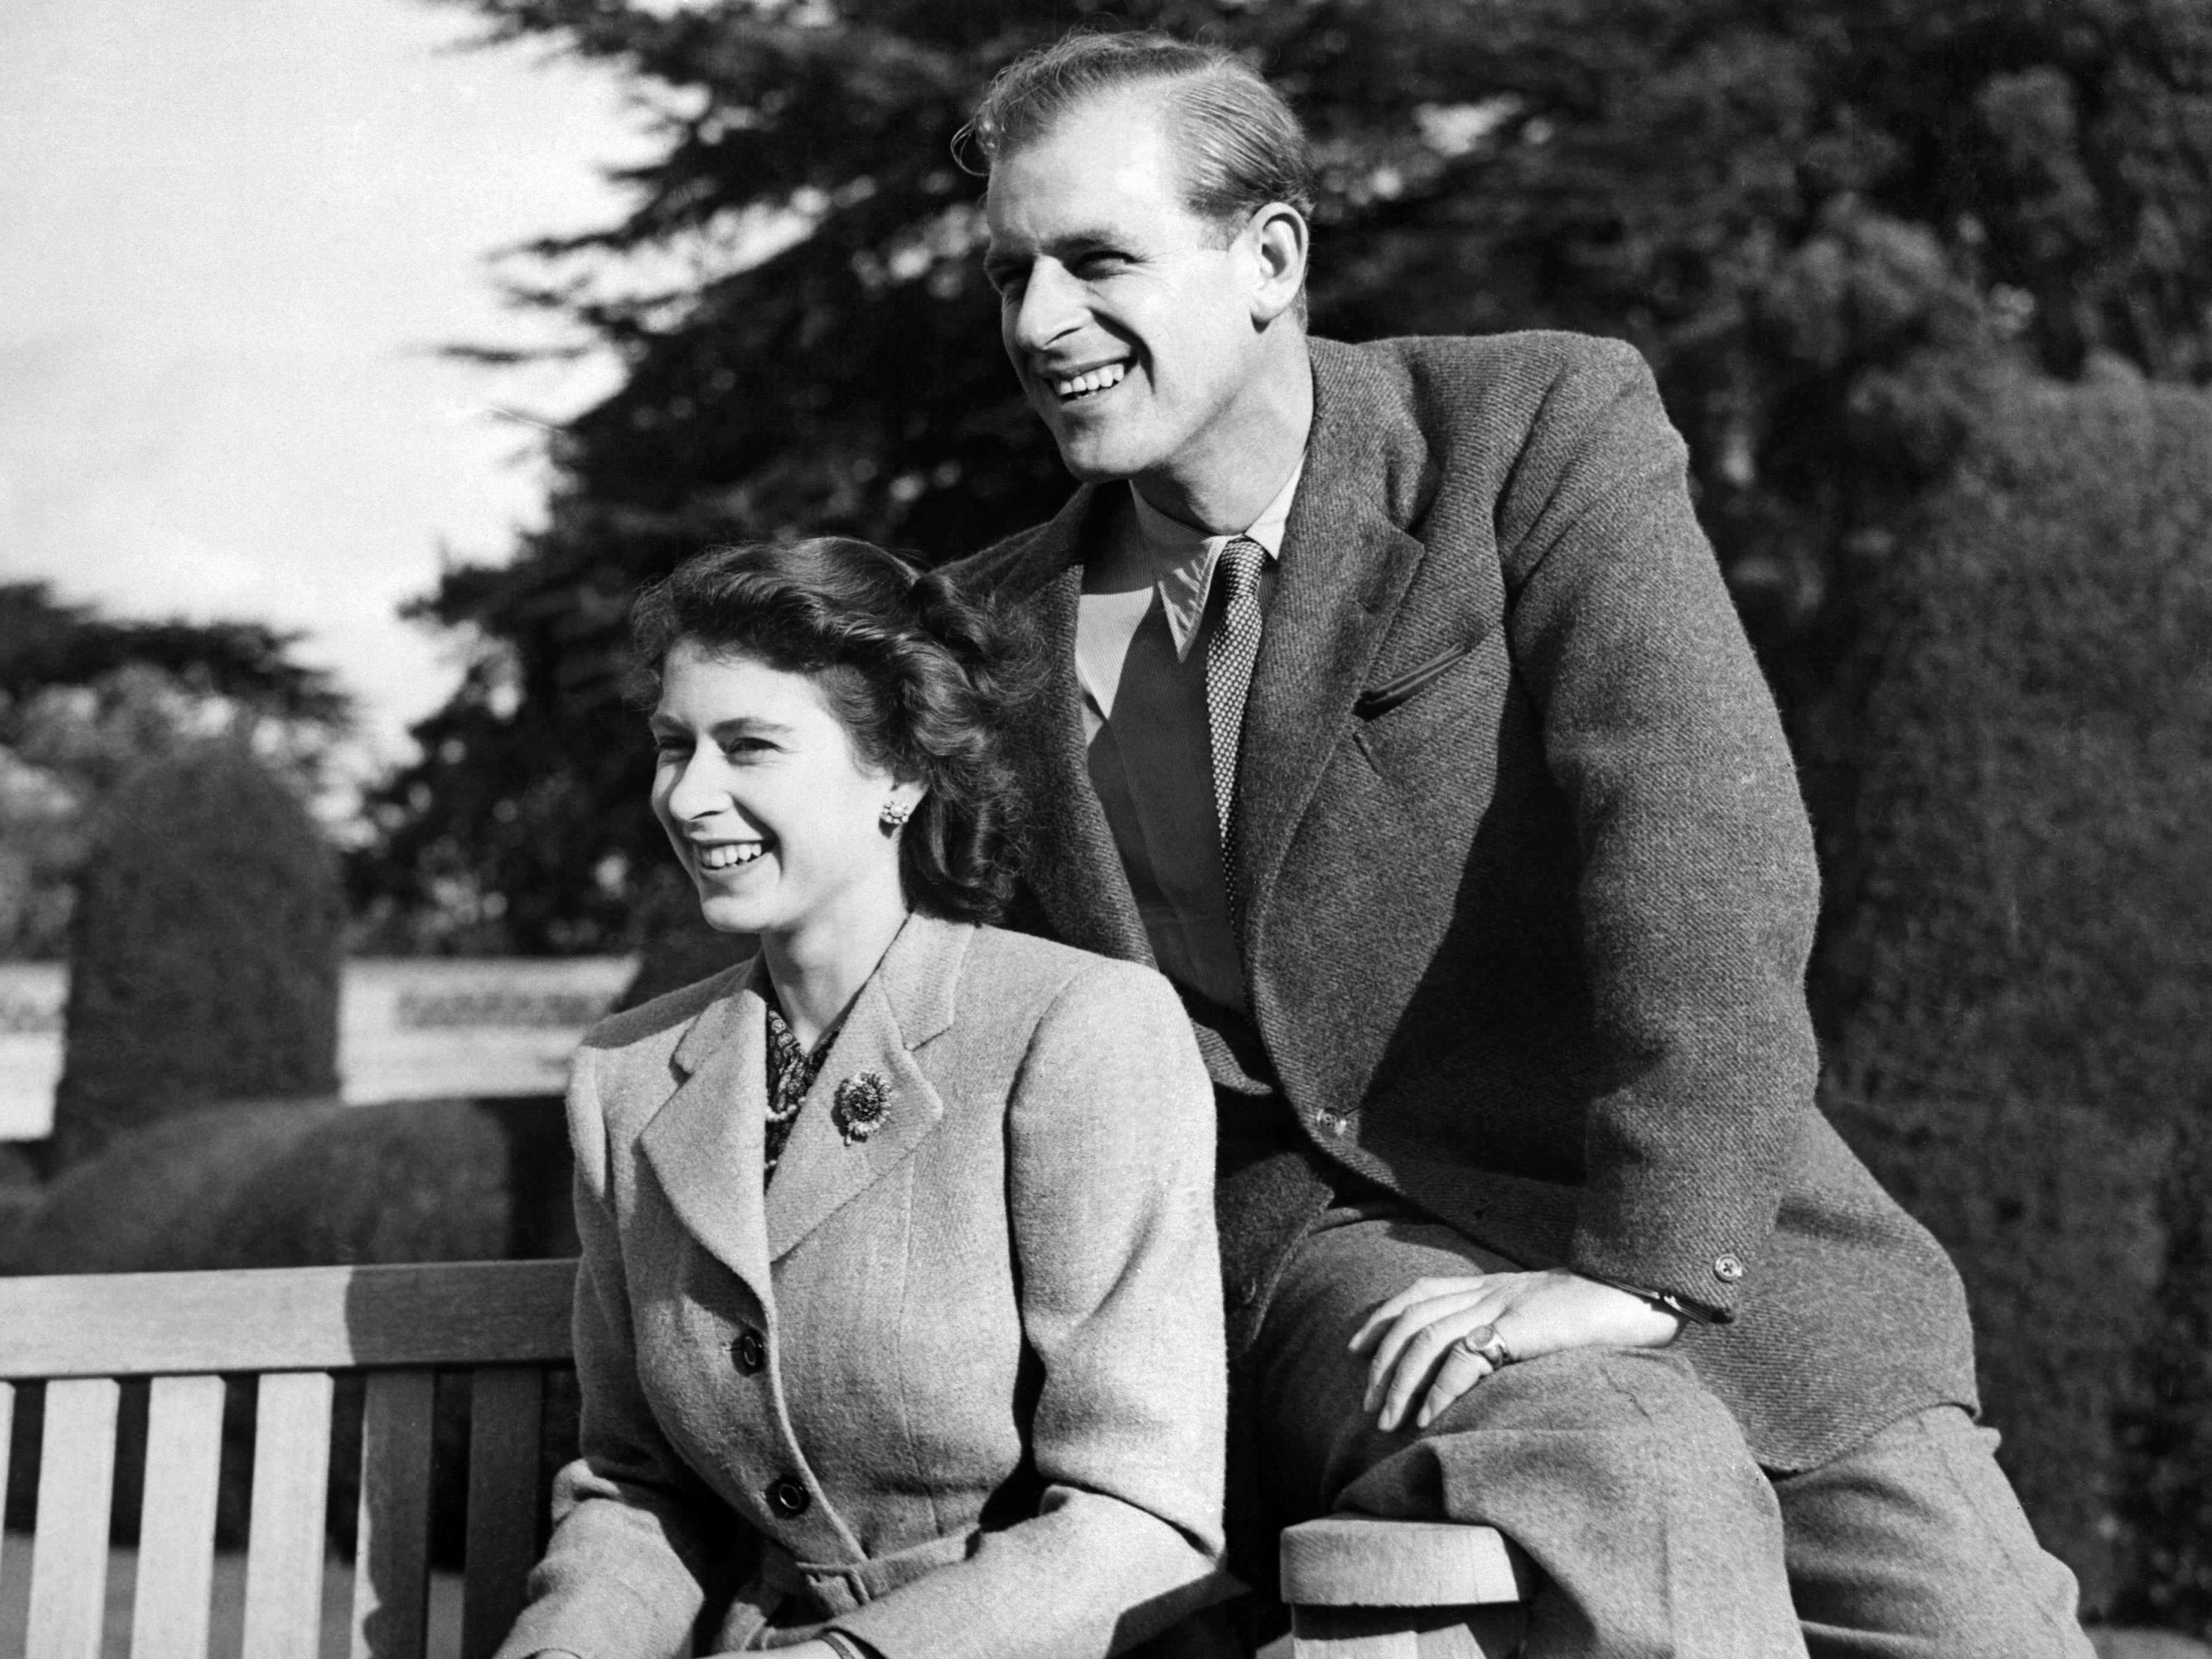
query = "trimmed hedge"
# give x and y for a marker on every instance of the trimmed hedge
(2016, 985)
(204, 950)
(2027, 893)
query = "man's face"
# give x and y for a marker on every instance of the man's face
(1127, 320)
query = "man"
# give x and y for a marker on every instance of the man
(1398, 714)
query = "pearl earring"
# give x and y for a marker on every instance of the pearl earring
(897, 812)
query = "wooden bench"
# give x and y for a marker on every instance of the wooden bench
(505, 1323)
(1359, 1588)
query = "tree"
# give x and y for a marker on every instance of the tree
(44, 644)
(83, 699)
(1820, 221)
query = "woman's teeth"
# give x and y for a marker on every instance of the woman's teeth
(729, 854)
(1096, 380)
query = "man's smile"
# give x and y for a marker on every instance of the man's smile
(1089, 382)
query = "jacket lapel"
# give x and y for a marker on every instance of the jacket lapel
(1345, 567)
(705, 1143)
(907, 1001)
(1076, 870)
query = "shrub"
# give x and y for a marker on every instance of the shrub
(2015, 982)
(2023, 906)
(203, 951)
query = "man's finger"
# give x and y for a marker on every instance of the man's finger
(1420, 1290)
(1418, 1362)
(1460, 1371)
(1393, 1338)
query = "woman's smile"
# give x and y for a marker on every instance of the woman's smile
(727, 854)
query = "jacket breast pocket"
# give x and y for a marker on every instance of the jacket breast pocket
(1430, 711)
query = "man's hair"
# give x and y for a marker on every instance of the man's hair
(922, 677)
(1242, 146)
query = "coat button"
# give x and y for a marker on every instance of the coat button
(750, 1352)
(1727, 1269)
(787, 1497)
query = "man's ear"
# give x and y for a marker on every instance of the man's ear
(1279, 240)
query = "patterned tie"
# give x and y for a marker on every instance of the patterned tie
(1228, 658)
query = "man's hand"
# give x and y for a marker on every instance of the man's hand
(1415, 1336)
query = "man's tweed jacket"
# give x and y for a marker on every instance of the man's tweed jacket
(957, 1385)
(1531, 887)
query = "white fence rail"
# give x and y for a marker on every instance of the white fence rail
(409, 1029)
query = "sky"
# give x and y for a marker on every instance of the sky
(233, 235)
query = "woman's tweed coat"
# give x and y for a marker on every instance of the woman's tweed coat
(955, 1387)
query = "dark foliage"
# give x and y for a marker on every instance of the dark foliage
(45, 643)
(84, 699)
(2022, 886)
(2052, 1215)
(2017, 983)
(1821, 222)
(2169, 1435)
(203, 952)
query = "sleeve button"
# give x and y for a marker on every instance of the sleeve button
(1728, 1269)
(787, 1497)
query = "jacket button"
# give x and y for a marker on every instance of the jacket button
(787, 1497)
(750, 1352)
(1727, 1269)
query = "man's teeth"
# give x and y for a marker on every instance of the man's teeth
(1096, 380)
(730, 854)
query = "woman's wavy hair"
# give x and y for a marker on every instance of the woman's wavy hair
(921, 676)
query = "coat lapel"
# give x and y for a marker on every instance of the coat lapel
(1345, 567)
(1076, 870)
(907, 1001)
(705, 1143)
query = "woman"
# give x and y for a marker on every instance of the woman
(897, 1323)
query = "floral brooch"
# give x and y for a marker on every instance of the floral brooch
(859, 1106)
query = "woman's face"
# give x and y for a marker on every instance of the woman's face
(775, 817)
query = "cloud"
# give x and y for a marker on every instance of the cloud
(230, 247)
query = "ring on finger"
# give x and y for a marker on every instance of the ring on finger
(1483, 1343)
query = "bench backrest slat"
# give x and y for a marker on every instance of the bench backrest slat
(68, 1551)
(176, 1541)
(471, 1313)
(284, 1536)
(391, 1548)
(6, 1448)
(507, 1403)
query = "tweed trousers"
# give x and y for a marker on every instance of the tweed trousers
(1631, 1488)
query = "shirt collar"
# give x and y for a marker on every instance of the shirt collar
(1183, 556)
